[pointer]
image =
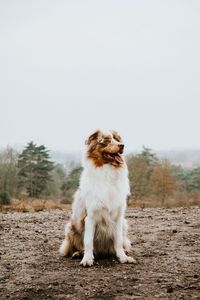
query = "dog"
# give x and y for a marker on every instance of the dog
(97, 226)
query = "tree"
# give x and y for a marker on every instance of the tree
(190, 179)
(138, 175)
(71, 184)
(34, 169)
(140, 168)
(162, 182)
(54, 187)
(8, 171)
(148, 156)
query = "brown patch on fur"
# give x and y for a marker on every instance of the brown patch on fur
(103, 241)
(95, 154)
(102, 149)
(75, 236)
(93, 137)
(116, 136)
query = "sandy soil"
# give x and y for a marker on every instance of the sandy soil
(166, 244)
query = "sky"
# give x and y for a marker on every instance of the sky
(70, 67)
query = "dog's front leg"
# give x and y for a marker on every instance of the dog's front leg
(88, 257)
(118, 242)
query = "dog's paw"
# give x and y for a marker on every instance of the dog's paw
(127, 260)
(87, 262)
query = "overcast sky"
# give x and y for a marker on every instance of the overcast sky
(69, 67)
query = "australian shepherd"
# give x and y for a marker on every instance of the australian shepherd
(97, 225)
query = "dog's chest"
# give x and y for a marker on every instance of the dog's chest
(104, 188)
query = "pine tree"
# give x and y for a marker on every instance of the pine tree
(34, 169)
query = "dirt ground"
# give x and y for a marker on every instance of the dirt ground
(166, 244)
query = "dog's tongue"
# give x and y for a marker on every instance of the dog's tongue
(118, 159)
(109, 156)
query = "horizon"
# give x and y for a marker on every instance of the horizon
(19, 147)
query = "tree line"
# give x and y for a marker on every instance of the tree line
(32, 173)
(157, 181)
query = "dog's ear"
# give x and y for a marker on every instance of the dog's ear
(116, 136)
(93, 137)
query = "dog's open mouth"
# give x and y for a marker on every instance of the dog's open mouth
(113, 157)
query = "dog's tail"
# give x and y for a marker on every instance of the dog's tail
(67, 244)
(64, 248)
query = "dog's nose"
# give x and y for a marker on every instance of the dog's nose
(121, 147)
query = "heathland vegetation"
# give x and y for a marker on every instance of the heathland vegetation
(32, 174)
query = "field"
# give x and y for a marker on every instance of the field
(166, 244)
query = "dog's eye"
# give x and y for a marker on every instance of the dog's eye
(105, 141)
(102, 143)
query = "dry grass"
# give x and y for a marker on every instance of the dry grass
(170, 202)
(33, 205)
(36, 205)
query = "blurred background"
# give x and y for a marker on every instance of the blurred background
(70, 67)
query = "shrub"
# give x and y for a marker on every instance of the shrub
(4, 198)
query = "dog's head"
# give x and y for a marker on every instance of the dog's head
(105, 148)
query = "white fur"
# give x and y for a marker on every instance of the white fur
(102, 198)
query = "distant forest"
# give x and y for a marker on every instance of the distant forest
(188, 159)
(35, 172)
